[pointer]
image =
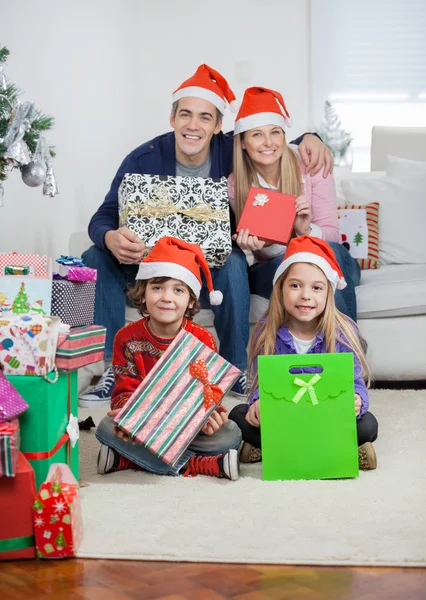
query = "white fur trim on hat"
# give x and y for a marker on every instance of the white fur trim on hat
(310, 257)
(148, 270)
(203, 93)
(258, 120)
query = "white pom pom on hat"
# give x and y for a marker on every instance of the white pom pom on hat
(171, 257)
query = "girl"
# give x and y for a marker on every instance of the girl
(302, 318)
(262, 158)
(166, 293)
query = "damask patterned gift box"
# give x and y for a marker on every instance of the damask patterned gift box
(193, 209)
(175, 400)
(74, 301)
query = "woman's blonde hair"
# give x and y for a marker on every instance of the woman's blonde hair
(334, 325)
(245, 174)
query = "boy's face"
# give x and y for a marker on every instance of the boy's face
(167, 302)
(194, 125)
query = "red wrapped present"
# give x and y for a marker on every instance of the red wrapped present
(82, 346)
(175, 400)
(57, 514)
(16, 516)
(9, 448)
(269, 215)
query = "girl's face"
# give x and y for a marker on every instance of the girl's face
(167, 302)
(264, 145)
(305, 293)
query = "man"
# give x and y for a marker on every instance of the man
(196, 147)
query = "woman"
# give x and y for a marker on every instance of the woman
(262, 158)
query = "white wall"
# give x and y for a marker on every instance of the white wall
(106, 71)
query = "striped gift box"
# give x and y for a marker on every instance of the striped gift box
(83, 346)
(9, 448)
(171, 405)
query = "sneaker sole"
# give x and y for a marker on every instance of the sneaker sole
(102, 460)
(237, 394)
(92, 403)
(232, 465)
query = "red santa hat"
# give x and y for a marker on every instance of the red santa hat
(177, 259)
(208, 84)
(261, 106)
(309, 249)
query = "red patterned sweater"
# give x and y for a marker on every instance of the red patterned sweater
(137, 349)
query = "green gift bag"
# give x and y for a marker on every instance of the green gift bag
(46, 427)
(308, 420)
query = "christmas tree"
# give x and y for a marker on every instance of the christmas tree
(332, 134)
(22, 144)
(60, 540)
(38, 505)
(20, 304)
(358, 238)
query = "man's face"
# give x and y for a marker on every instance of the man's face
(194, 125)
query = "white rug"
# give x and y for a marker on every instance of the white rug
(376, 519)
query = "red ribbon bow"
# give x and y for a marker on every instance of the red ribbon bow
(212, 392)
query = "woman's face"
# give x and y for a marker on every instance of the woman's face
(264, 145)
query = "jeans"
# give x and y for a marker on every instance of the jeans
(110, 301)
(367, 426)
(346, 299)
(228, 437)
(236, 280)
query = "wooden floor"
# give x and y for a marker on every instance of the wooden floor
(123, 580)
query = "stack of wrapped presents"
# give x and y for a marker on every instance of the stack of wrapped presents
(46, 335)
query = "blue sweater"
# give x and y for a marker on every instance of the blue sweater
(284, 345)
(158, 157)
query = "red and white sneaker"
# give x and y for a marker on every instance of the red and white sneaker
(223, 465)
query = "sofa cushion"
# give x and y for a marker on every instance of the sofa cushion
(258, 305)
(392, 291)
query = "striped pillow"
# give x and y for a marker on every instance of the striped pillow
(359, 230)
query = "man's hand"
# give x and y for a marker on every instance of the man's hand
(358, 404)
(247, 241)
(216, 420)
(315, 155)
(125, 245)
(302, 224)
(253, 414)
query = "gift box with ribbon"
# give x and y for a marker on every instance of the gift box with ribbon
(175, 400)
(73, 269)
(49, 428)
(9, 448)
(74, 301)
(308, 421)
(57, 514)
(193, 209)
(82, 346)
(16, 513)
(12, 403)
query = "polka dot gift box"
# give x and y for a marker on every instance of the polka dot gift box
(58, 524)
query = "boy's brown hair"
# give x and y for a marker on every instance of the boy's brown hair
(137, 292)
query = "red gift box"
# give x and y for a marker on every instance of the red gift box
(57, 514)
(16, 515)
(269, 215)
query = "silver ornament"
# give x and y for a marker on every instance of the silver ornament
(1, 194)
(34, 173)
(50, 187)
(3, 82)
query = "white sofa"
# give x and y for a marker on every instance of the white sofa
(391, 300)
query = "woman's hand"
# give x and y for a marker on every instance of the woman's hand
(253, 414)
(302, 224)
(247, 241)
(358, 404)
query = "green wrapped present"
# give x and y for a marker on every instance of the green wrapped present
(49, 428)
(308, 420)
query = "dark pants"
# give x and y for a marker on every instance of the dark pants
(367, 427)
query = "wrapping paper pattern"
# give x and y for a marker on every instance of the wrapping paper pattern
(9, 448)
(193, 209)
(83, 346)
(17, 499)
(28, 344)
(168, 409)
(57, 514)
(12, 403)
(74, 301)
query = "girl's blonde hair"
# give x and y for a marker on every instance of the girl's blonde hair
(334, 325)
(245, 174)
